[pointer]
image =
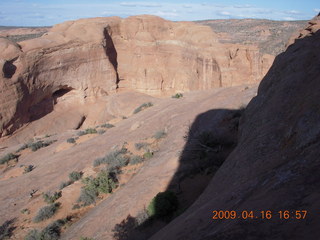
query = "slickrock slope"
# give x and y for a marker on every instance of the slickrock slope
(54, 163)
(78, 63)
(276, 163)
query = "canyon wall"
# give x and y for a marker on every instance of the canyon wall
(83, 61)
(274, 166)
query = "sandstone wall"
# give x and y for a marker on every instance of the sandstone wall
(88, 59)
(274, 166)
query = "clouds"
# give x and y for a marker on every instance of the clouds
(36, 12)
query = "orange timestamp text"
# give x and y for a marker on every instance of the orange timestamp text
(267, 214)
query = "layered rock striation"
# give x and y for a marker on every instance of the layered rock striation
(81, 62)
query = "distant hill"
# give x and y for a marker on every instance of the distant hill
(270, 36)
(18, 34)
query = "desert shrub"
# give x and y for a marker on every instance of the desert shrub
(135, 160)
(75, 176)
(142, 107)
(87, 131)
(76, 206)
(87, 196)
(65, 184)
(177, 95)
(39, 144)
(107, 125)
(148, 155)
(7, 228)
(8, 157)
(105, 182)
(24, 146)
(51, 197)
(46, 212)
(86, 238)
(160, 134)
(115, 158)
(71, 140)
(50, 232)
(101, 131)
(25, 211)
(34, 235)
(140, 145)
(164, 204)
(28, 168)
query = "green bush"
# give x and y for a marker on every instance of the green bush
(25, 211)
(115, 158)
(24, 146)
(101, 131)
(87, 131)
(177, 95)
(71, 140)
(75, 176)
(51, 197)
(76, 206)
(160, 134)
(142, 107)
(8, 157)
(39, 144)
(65, 184)
(46, 212)
(148, 155)
(107, 125)
(88, 196)
(105, 182)
(135, 160)
(50, 232)
(164, 204)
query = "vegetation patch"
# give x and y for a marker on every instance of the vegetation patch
(6, 229)
(25, 211)
(105, 182)
(177, 95)
(71, 140)
(148, 155)
(115, 158)
(75, 176)
(51, 197)
(65, 184)
(141, 145)
(87, 131)
(107, 125)
(160, 134)
(46, 212)
(8, 157)
(135, 160)
(50, 232)
(34, 146)
(28, 168)
(163, 205)
(142, 107)
(101, 131)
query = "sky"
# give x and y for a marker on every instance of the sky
(50, 12)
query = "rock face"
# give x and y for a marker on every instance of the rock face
(81, 62)
(274, 167)
(156, 56)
